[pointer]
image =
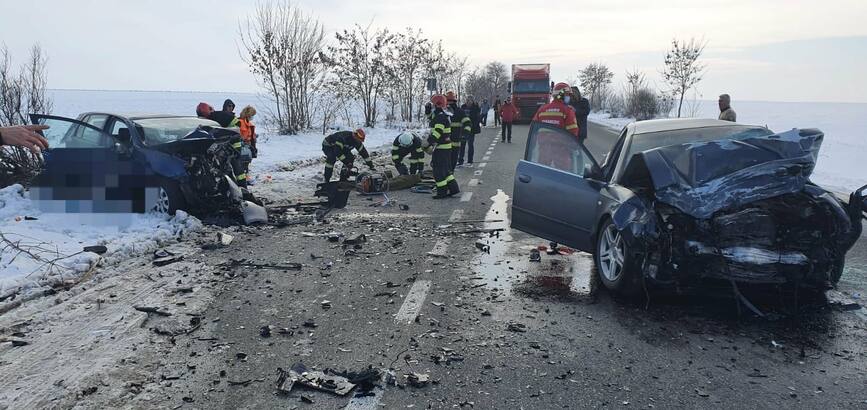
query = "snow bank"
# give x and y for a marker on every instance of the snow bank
(61, 237)
(845, 126)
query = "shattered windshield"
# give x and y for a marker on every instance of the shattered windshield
(163, 130)
(644, 142)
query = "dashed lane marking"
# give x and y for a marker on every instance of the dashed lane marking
(466, 196)
(483, 164)
(486, 158)
(478, 172)
(413, 302)
(489, 152)
(457, 214)
(473, 182)
(440, 248)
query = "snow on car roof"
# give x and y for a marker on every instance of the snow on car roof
(671, 124)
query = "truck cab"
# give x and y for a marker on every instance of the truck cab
(530, 89)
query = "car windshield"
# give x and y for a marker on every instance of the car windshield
(163, 130)
(644, 142)
(532, 86)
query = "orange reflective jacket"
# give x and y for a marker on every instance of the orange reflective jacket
(248, 130)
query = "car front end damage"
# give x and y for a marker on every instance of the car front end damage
(737, 211)
(209, 165)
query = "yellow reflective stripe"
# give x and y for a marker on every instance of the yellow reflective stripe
(338, 143)
(419, 150)
(439, 126)
(456, 124)
(444, 146)
(342, 157)
(466, 119)
(571, 127)
(241, 177)
(395, 157)
(450, 178)
(236, 145)
(551, 114)
(442, 183)
(436, 134)
(468, 128)
(447, 131)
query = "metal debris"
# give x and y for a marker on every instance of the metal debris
(299, 373)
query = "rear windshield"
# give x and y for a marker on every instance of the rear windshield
(163, 130)
(531, 86)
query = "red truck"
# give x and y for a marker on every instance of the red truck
(530, 89)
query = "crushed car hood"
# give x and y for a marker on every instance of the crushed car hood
(703, 178)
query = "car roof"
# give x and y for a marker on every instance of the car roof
(137, 116)
(672, 124)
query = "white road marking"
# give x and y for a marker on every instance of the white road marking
(457, 214)
(478, 172)
(413, 302)
(366, 402)
(489, 152)
(440, 248)
(482, 165)
(473, 182)
(486, 158)
(466, 196)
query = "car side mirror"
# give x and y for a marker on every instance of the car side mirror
(594, 173)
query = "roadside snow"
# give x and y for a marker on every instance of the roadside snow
(840, 161)
(55, 241)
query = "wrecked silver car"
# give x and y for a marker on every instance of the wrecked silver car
(682, 202)
(110, 163)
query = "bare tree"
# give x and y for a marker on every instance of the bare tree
(497, 76)
(682, 68)
(20, 95)
(411, 51)
(282, 46)
(595, 79)
(359, 62)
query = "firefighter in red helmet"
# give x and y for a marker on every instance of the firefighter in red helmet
(441, 143)
(557, 111)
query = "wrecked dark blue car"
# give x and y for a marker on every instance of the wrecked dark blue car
(678, 202)
(110, 163)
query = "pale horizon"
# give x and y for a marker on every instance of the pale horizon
(789, 51)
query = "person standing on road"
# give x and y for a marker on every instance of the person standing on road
(497, 105)
(461, 127)
(338, 147)
(486, 106)
(508, 114)
(473, 111)
(226, 117)
(408, 144)
(581, 106)
(557, 112)
(441, 144)
(725, 107)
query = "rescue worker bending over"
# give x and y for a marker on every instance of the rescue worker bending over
(461, 125)
(408, 144)
(557, 112)
(338, 147)
(441, 144)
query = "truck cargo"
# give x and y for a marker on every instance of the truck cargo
(530, 88)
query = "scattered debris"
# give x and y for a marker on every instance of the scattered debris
(483, 247)
(224, 239)
(97, 249)
(314, 379)
(417, 379)
(309, 323)
(241, 356)
(152, 309)
(15, 342)
(366, 380)
(326, 304)
(403, 207)
(265, 331)
(163, 257)
(535, 256)
(516, 327)
(233, 263)
(355, 240)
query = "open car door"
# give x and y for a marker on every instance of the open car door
(552, 197)
(87, 171)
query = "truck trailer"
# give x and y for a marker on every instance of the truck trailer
(530, 89)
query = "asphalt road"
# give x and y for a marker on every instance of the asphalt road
(491, 330)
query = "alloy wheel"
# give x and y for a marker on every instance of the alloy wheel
(162, 205)
(611, 253)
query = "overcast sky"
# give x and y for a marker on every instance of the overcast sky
(774, 50)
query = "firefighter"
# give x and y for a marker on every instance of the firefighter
(557, 112)
(338, 147)
(461, 124)
(408, 144)
(441, 144)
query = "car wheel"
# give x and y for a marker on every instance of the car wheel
(614, 263)
(169, 198)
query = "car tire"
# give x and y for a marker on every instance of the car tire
(617, 269)
(170, 199)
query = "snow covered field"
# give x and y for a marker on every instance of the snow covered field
(845, 127)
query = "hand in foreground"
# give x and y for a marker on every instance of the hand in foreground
(24, 136)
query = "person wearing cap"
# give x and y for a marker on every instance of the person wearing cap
(204, 110)
(410, 144)
(557, 112)
(226, 117)
(339, 146)
(726, 113)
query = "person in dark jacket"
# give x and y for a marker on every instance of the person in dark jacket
(441, 144)
(226, 117)
(408, 144)
(497, 105)
(339, 146)
(581, 106)
(486, 106)
(473, 111)
(461, 127)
